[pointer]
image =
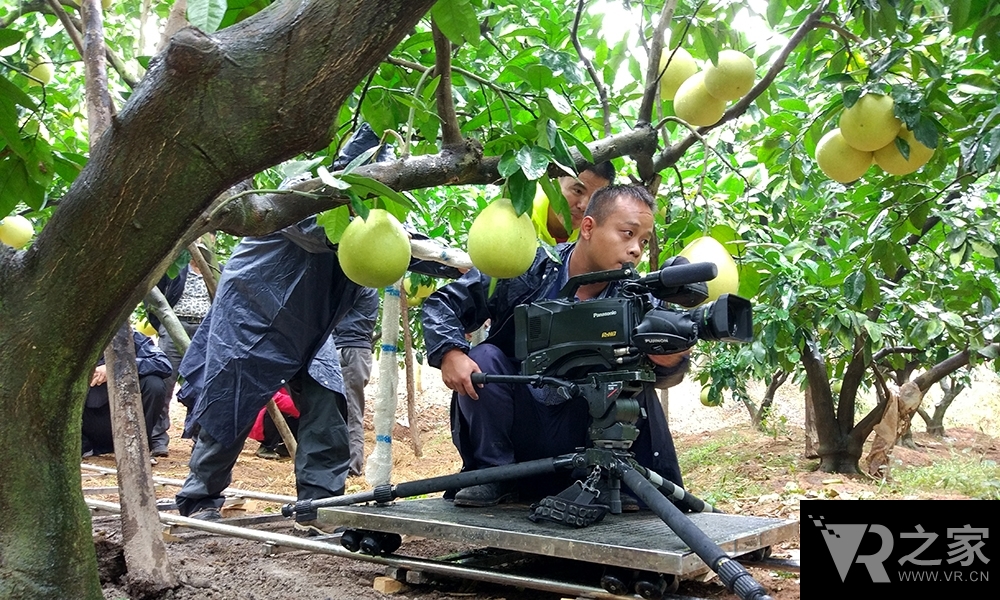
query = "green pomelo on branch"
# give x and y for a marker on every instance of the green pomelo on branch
(695, 105)
(891, 160)
(501, 243)
(870, 123)
(416, 290)
(732, 77)
(374, 252)
(839, 160)
(681, 67)
(16, 231)
(40, 67)
(706, 249)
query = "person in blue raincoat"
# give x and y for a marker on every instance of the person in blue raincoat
(277, 302)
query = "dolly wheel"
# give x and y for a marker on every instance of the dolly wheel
(613, 584)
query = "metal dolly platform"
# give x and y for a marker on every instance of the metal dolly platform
(630, 540)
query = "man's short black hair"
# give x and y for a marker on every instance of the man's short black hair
(604, 170)
(603, 199)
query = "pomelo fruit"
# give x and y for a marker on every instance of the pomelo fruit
(889, 158)
(501, 243)
(16, 231)
(706, 249)
(416, 291)
(695, 105)
(839, 160)
(40, 67)
(732, 77)
(374, 252)
(870, 123)
(681, 67)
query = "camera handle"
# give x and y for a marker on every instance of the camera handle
(566, 389)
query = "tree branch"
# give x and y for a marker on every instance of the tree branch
(653, 69)
(673, 153)
(71, 30)
(451, 134)
(819, 382)
(99, 106)
(894, 350)
(260, 214)
(601, 90)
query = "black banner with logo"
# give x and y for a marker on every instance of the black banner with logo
(869, 548)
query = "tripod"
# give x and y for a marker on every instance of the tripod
(615, 411)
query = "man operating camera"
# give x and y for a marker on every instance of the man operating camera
(500, 424)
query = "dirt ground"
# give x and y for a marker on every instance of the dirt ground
(214, 567)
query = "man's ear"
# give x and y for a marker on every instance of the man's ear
(587, 227)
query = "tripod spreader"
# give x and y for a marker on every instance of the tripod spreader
(388, 492)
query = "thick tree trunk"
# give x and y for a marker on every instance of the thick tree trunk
(210, 112)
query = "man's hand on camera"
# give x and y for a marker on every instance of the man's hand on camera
(456, 372)
(669, 360)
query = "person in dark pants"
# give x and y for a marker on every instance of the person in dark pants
(500, 424)
(153, 368)
(354, 344)
(277, 302)
(188, 296)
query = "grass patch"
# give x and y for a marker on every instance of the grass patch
(961, 473)
(730, 468)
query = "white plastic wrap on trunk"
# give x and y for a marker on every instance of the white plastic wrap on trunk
(378, 468)
(435, 251)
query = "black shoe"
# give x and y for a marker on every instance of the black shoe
(486, 494)
(207, 514)
(159, 451)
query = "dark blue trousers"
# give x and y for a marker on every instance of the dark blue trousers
(509, 424)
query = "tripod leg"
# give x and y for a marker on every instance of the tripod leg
(733, 575)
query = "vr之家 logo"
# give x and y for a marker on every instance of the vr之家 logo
(843, 540)
(875, 546)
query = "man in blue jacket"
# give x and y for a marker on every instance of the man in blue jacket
(499, 424)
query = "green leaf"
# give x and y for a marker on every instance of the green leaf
(521, 192)
(904, 148)
(373, 186)
(17, 186)
(580, 147)
(206, 14)
(560, 151)
(13, 94)
(926, 132)
(952, 319)
(457, 20)
(534, 161)
(710, 42)
(958, 14)
(9, 37)
(557, 201)
(562, 64)
(334, 221)
(851, 96)
(328, 179)
(508, 164)
(775, 11)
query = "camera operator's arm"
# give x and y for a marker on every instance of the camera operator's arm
(670, 368)
(456, 372)
(452, 311)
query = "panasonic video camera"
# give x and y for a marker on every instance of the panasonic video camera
(571, 339)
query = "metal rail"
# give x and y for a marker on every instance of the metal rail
(402, 562)
(279, 498)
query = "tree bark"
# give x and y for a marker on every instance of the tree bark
(411, 391)
(209, 113)
(149, 571)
